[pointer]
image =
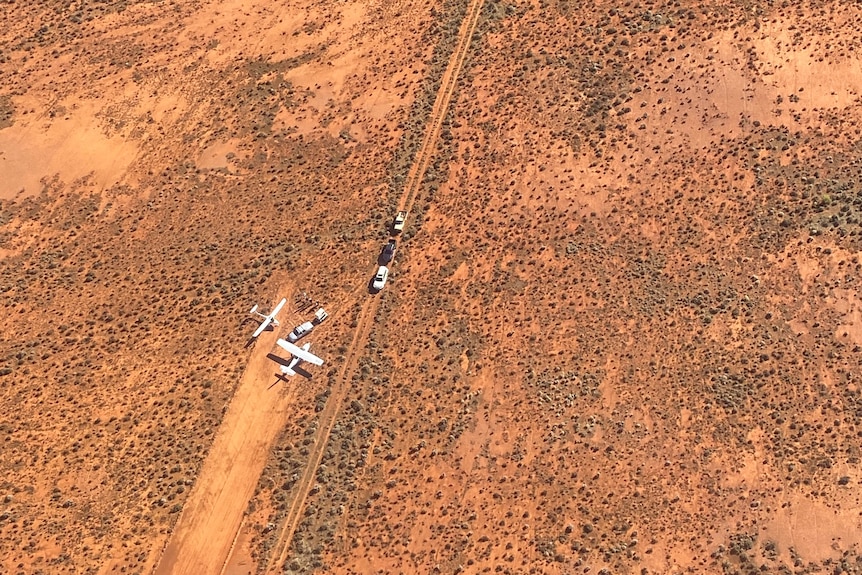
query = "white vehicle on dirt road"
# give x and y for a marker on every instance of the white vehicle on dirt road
(379, 280)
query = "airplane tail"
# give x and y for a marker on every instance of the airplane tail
(287, 371)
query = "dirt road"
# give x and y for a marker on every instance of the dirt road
(441, 105)
(327, 420)
(369, 308)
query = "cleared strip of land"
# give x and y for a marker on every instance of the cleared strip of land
(210, 519)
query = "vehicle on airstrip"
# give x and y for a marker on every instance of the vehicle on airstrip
(300, 331)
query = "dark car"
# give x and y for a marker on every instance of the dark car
(388, 252)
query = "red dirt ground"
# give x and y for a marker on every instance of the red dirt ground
(622, 333)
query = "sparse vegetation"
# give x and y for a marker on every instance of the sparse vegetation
(622, 335)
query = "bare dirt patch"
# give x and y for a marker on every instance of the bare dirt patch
(70, 148)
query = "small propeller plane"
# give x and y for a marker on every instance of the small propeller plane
(299, 354)
(267, 319)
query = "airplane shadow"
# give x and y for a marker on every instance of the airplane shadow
(278, 360)
(302, 372)
(280, 377)
(286, 363)
(251, 340)
(249, 319)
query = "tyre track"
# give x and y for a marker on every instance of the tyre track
(365, 320)
(441, 105)
(327, 419)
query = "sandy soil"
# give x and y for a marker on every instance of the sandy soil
(621, 335)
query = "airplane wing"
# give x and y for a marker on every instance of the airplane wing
(269, 319)
(278, 308)
(300, 353)
(261, 327)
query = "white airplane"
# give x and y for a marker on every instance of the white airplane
(267, 319)
(299, 354)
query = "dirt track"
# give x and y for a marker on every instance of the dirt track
(441, 105)
(369, 309)
(327, 419)
(203, 537)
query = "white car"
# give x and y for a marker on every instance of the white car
(398, 222)
(300, 331)
(380, 278)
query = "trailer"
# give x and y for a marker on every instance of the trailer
(319, 316)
